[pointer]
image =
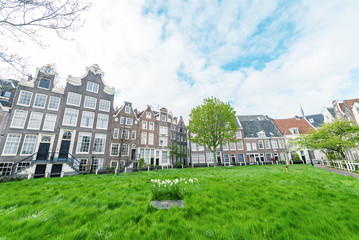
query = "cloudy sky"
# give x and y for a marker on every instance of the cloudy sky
(264, 57)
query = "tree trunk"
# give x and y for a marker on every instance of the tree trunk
(214, 159)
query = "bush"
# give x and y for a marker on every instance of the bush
(141, 162)
(297, 158)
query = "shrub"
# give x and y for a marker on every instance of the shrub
(297, 158)
(141, 162)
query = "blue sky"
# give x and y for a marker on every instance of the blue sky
(265, 57)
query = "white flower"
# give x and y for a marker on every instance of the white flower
(186, 182)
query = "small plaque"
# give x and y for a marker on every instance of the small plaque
(166, 204)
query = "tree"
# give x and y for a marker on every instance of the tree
(212, 123)
(333, 139)
(23, 20)
(177, 152)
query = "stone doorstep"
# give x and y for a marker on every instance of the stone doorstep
(166, 204)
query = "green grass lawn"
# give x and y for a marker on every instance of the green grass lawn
(252, 202)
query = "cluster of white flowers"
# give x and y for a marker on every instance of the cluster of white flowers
(166, 182)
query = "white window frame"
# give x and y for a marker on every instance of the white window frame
(90, 102)
(113, 144)
(150, 138)
(73, 96)
(58, 103)
(260, 142)
(129, 121)
(116, 133)
(240, 145)
(7, 142)
(22, 104)
(80, 142)
(99, 136)
(163, 143)
(232, 145)
(91, 121)
(151, 125)
(124, 147)
(76, 118)
(125, 134)
(163, 130)
(248, 146)
(144, 124)
(33, 143)
(44, 87)
(104, 105)
(22, 121)
(133, 135)
(105, 120)
(148, 115)
(38, 95)
(32, 119)
(90, 87)
(238, 134)
(127, 109)
(47, 121)
(143, 138)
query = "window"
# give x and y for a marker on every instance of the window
(44, 83)
(267, 145)
(281, 143)
(113, 164)
(104, 105)
(200, 148)
(40, 100)
(261, 134)
(83, 143)
(97, 163)
(232, 146)
(163, 130)
(24, 98)
(148, 115)
(194, 146)
(49, 122)
(35, 121)
(122, 120)
(11, 144)
(249, 147)
(90, 102)
(164, 157)
(163, 141)
(70, 117)
(99, 143)
(144, 138)
(127, 109)
(225, 145)
(133, 136)
(254, 146)
(83, 163)
(19, 119)
(92, 87)
(102, 121)
(142, 153)
(54, 103)
(22, 165)
(163, 118)
(294, 130)
(5, 168)
(144, 124)
(240, 145)
(129, 121)
(238, 134)
(209, 156)
(226, 158)
(260, 143)
(201, 157)
(147, 155)
(311, 120)
(126, 134)
(114, 149)
(73, 99)
(151, 125)
(28, 146)
(116, 132)
(150, 138)
(124, 150)
(274, 144)
(87, 119)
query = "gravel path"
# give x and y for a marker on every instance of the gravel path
(342, 172)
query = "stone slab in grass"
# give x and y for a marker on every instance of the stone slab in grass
(166, 204)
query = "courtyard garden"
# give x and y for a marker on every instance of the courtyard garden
(252, 202)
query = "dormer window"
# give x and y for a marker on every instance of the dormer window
(311, 120)
(148, 115)
(127, 109)
(294, 130)
(261, 134)
(44, 83)
(163, 118)
(92, 87)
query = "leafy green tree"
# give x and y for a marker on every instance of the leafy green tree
(333, 139)
(296, 157)
(212, 123)
(177, 152)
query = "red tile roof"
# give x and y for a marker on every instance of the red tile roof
(285, 124)
(350, 102)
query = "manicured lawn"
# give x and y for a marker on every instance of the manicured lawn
(253, 202)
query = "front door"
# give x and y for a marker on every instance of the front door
(157, 161)
(40, 170)
(64, 149)
(133, 154)
(43, 151)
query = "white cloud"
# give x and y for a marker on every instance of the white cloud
(141, 53)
